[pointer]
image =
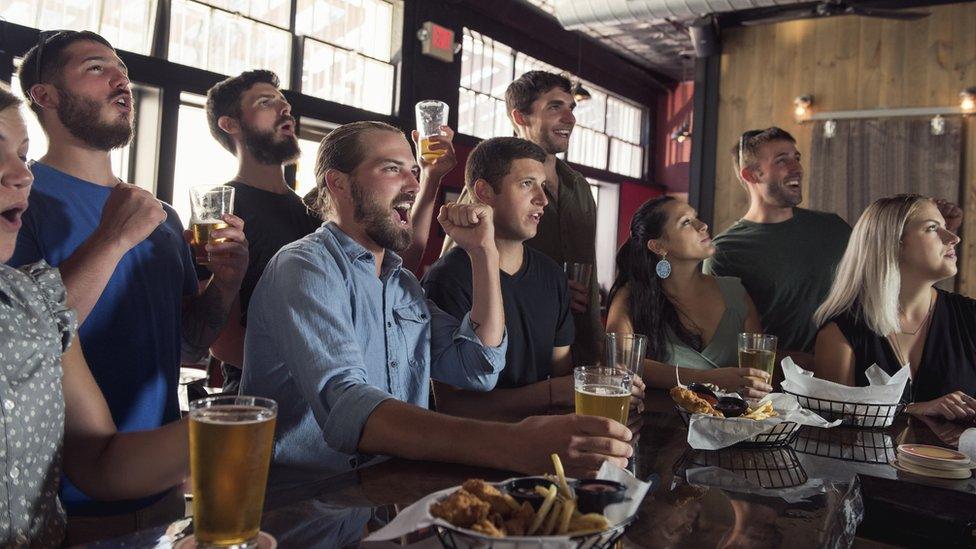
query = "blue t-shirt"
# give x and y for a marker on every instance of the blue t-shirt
(131, 339)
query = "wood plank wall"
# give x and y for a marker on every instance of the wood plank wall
(846, 63)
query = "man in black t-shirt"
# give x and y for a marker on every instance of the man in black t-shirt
(249, 116)
(508, 174)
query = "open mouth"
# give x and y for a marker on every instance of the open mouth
(12, 215)
(562, 133)
(792, 184)
(287, 128)
(535, 217)
(951, 254)
(124, 102)
(402, 211)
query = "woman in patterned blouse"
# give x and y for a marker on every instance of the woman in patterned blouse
(51, 410)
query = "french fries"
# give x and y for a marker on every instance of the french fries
(499, 515)
(762, 412)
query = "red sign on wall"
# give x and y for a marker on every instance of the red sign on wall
(438, 42)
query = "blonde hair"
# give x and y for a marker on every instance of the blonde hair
(867, 281)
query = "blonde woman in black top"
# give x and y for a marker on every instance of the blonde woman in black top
(883, 309)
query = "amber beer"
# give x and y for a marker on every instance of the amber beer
(427, 153)
(201, 237)
(603, 392)
(230, 448)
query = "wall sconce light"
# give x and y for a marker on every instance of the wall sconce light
(801, 105)
(681, 133)
(580, 93)
(967, 99)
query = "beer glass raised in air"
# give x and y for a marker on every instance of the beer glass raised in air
(230, 448)
(208, 204)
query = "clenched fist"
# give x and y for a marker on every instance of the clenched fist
(130, 215)
(472, 226)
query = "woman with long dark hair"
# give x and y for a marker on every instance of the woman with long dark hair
(691, 320)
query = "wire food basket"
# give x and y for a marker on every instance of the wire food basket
(456, 538)
(769, 468)
(857, 445)
(865, 416)
(781, 434)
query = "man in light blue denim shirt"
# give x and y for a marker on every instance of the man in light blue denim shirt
(342, 337)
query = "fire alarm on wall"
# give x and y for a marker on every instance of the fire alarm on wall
(437, 41)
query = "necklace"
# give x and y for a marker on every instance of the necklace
(925, 320)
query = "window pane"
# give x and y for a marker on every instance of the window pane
(364, 26)
(592, 113)
(484, 123)
(200, 160)
(226, 43)
(501, 71)
(348, 78)
(305, 172)
(124, 23)
(625, 158)
(623, 120)
(466, 107)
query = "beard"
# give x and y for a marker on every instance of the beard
(550, 146)
(377, 221)
(266, 150)
(782, 196)
(83, 119)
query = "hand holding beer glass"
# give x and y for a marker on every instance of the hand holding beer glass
(208, 204)
(603, 392)
(230, 448)
(431, 115)
(758, 351)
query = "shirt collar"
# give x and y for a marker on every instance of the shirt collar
(356, 251)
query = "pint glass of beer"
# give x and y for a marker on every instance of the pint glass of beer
(431, 115)
(603, 392)
(230, 448)
(626, 352)
(208, 204)
(758, 351)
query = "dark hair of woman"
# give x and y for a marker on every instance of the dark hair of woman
(651, 311)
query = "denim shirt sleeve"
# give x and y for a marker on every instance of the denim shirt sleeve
(311, 323)
(457, 355)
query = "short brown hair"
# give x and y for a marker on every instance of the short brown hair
(224, 99)
(492, 160)
(53, 60)
(342, 150)
(524, 90)
(753, 140)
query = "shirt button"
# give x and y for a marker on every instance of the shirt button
(14, 472)
(393, 363)
(389, 324)
(8, 404)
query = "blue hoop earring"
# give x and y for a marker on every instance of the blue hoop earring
(663, 267)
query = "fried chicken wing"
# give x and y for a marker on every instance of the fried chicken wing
(462, 508)
(486, 492)
(693, 403)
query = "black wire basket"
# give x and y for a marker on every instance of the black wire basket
(769, 468)
(456, 538)
(781, 434)
(851, 414)
(857, 445)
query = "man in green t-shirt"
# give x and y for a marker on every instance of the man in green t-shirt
(785, 255)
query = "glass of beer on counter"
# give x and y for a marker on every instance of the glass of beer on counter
(602, 391)
(230, 449)
(758, 351)
(208, 204)
(431, 115)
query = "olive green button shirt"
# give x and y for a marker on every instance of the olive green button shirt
(567, 232)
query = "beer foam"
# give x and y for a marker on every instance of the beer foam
(603, 391)
(232, 415)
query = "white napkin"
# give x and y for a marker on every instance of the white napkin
(713, 433)
(417, 516)
(883, 389)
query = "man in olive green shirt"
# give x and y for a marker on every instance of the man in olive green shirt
(540, 105)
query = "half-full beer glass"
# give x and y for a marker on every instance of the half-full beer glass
(603, 392)
(758, 351)
(208, 204)
(431, 115)
(230, 447)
